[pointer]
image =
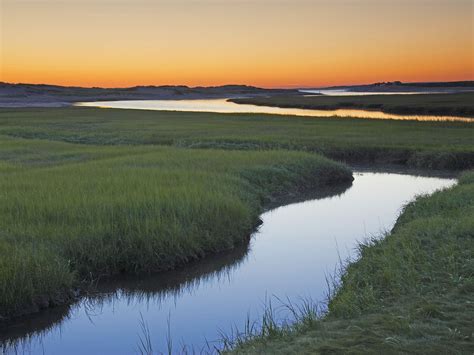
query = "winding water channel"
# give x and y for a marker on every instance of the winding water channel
(224, 106)
(290, 256)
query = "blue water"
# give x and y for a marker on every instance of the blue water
(290, 256)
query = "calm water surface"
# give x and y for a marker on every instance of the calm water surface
(297, 246)
(224, 106)
(346, 92)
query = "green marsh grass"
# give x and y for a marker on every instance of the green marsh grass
(87, 192)
(433, 145)
(74, 212)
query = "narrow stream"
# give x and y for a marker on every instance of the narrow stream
(296, 247)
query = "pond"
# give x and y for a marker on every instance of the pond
(295, 249)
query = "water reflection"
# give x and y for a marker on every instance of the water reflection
(150, 291)
(290, 256)
(224, 106)
(346, 92)
(25, 335)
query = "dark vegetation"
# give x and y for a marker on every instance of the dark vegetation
(397, 86)
(458, 104)
(39, 95)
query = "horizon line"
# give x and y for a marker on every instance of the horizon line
(295, 86)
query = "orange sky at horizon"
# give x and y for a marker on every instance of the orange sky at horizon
(267, 43)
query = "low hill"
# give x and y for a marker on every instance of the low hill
(40, 95)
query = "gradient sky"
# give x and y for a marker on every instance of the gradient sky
(270, 43)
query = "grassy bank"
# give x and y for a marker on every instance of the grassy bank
(460, 104)
(72, 212)
(86, 191)
(410, 292)
(433, 145)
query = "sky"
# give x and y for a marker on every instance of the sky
(267, 43)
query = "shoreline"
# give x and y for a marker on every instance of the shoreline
(69, 297)
(73, 295)
(381, 296)
(345, 103)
